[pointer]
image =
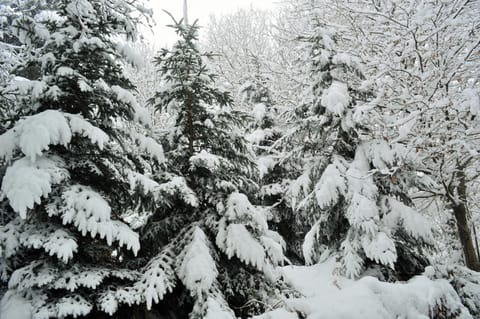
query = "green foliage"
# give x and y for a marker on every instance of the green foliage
(206, 147)
(72, 148)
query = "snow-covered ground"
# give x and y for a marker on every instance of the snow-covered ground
(14, 307)
(330, 296)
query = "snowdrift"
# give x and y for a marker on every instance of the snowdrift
(329, 296)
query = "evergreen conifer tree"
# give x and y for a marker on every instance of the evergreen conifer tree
(77, 163)
(219, 245)
(263, 130)
(353, 191)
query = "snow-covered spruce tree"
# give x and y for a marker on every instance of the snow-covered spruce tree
(429, 84)
(73, 163)
(263, 130)
(353, 193)
(221, 248)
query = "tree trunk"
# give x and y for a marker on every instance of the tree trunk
(471, 258)
(190, 123)
(461, 216)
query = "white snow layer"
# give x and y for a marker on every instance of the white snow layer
(141, 114)
(308, 246)
(243, 232)
(215, 311)
(330, 297)
(150, 146)
(25, 183)
(197, 269)
(277, 314)
(259, 135)
(34, 134)
(259, 112)
(55, 242)
(178, 185)
(414, 223)
(265, 164)
(240, 243)
(240, 209)
(332, 184)
(336, 98)
(207, 160)
(158, 278)
(90, 213)
(15, 307)
(81, 127)
(131, 54)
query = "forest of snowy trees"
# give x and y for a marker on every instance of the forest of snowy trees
(317, 160)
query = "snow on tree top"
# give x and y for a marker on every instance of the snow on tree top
(82, 9)
(178, 185)
(65, 71)
(379, 153)
(259, 135)
(58, 242)
(9, 238)
(243, 232)
(158, 278)
(347, 59)
(273, 248)
(308, 245)
(265, 164)
(7, 144)
(471, 101)
(147, 185)
(25, 86)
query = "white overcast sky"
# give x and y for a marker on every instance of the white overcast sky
(197, 9)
